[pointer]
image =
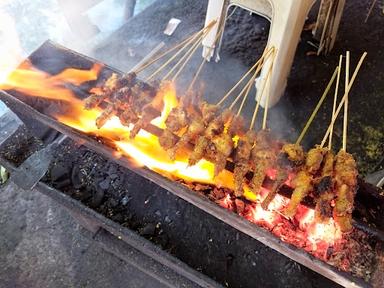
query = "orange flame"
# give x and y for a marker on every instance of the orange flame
(145, 150)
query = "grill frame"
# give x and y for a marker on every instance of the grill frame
(232, 219)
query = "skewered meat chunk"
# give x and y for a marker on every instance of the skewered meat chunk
(167, 139)
(328, 163)
(112, 84)
(153, 105)
(236, 126)
(303, 185)
(215, 127)
(280, 179)
(149, 113)
(105, 116)
(346, 182)
(241, 159)
(94, 100)
(128, 116)
(208, 111)
(241, 169)
(324, 189)
(144, 94)
(294, 153)
(105, 92)
(177, 119)
(345, 169)
(223, 145)
(199, 150)
(262, 157)
(342, 212)
(244, 147)
(314, 159)
(195, 129)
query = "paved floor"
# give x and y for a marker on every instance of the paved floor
(42, 246)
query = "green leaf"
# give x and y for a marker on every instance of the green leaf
(4, 175)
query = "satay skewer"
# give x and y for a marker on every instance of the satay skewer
(147, 63)
(248, 86)
(341, 104)
(345, 119)
(249, 83)
(335, 100)
(243, 77)
(269, 76)
(322, 98)
(243, 91)
(186, 57)
(192, 41)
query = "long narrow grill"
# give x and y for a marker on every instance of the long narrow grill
(53, 60)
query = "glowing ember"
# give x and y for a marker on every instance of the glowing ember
(145, 150)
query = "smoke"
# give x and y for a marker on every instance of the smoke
(84, 25)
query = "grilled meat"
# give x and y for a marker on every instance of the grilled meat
(112, 84)
(262, 157)
(149, 113)
(303, 185)
(241, 159)
(314, 159)
(294, 153)
(167, 139)
(199, 150)
(177, 119)
(195, 129)
(324, 189)
(214, 128)
(105, 116)
(223, 145)
(208, 111)
(346, 183)
(280, 179)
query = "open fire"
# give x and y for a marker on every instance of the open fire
(144, 150)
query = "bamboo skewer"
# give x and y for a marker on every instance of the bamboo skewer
(158, 70)
(313, 115)
(249, 86)
(370, 10)
(249, 83)
(322, 41)
(242, 78)
(269, 76)
(193, 52)
(341, 104)
(191, 41)
(258, 102)
(205, 59)
(149, 63)
(186, 55)
(335, 101)
(345, 120)
(241, 92)
(197, 74)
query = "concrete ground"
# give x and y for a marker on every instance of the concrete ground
(42, 246)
